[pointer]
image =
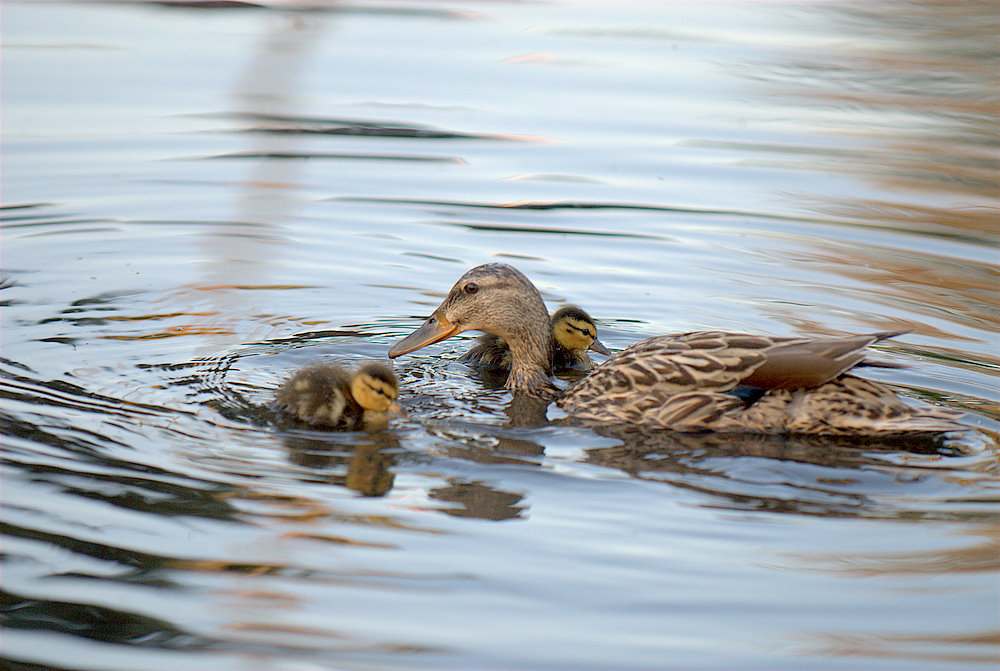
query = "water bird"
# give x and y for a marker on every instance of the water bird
(325, 394)
(697, 381)
(573, 333)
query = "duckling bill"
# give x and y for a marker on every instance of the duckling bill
(327, 395)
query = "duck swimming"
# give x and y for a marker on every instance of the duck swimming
(573, 333)
(328, 395)
(698, 381)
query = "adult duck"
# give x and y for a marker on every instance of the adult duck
(699, 381)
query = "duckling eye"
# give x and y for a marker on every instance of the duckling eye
(471, 288)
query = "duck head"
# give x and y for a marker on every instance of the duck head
(375, 388)
(574, 330)
(495, 298)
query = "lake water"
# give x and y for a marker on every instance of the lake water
(197, 201)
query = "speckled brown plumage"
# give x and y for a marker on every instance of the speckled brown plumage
(686, 382)
(681, 382)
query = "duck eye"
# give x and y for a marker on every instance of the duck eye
(471, 288)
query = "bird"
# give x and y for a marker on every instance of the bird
(573, 333)
(700, 381)
(327, 395)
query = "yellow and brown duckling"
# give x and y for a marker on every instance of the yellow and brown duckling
(686, 382)
(573, 333)
(327, 395)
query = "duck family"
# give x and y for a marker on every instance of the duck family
(701, 381)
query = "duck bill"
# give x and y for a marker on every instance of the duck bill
(599, 347)
(396, 410)
(436, 328)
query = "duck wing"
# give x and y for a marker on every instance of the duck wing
(788, 363)
(643, 379)
(806, 363)
(649, 372)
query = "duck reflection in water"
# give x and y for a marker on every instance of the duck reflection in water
(689, 382)
(814, 475)
(479, 500)
(363, 463)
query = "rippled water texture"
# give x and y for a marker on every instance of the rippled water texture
(197, 201)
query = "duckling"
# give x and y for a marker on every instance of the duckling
(327, 395)
(573, 333)
(685, 382)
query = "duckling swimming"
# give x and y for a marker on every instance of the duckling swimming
(573, 333)
(683, 382)
(327, 395)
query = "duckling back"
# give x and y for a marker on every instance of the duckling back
(490, 351)
(320, 394)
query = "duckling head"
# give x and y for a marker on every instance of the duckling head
(375, 388)
(574, 330)
(495, 298)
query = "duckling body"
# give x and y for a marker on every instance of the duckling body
(327, 395)
(684, 382)
(573, 333)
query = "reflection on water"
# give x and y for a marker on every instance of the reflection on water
(368, 463)
(197, 202)
(914, 78)
(804, 475)
(967, 559)
(474, 499)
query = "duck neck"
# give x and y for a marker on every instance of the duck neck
(527, 377)
(531, 355)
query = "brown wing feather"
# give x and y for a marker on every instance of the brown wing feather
(804, 363)
(640, 379)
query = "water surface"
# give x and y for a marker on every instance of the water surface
(197, 201)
